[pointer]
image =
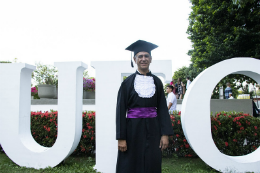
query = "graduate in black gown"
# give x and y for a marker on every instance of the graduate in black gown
(142, 119)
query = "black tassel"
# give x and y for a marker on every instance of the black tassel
(132, 64)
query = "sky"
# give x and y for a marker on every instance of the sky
(86, 30)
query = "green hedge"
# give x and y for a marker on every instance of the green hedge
(234, 134)
(178, 143)
(44, 130)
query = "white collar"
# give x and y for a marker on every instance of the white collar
(141, 73)
(144, 86)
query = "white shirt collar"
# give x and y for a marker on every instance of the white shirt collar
(141, 73)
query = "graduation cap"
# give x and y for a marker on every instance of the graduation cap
(140, 46)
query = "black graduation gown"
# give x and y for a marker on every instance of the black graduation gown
(142, 135)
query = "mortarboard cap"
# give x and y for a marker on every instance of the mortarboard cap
(141, 46)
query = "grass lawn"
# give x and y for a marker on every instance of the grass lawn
(76, 164)
(189, 165)
(73, 164)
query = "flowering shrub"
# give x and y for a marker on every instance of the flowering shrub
(44, 127)
(87, 142)
(178, 142)
(44, 130)
(33, 91)
(235, 134)
(89, 84)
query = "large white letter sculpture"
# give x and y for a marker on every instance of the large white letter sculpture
(15, 103)
(196, 116)
(109, 76)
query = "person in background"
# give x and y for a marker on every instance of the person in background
(175, 90)
(180, 88)
(228, 91)
(183, 89)
(256, 111)
(188, 82)
(171, 99)
(230, 96)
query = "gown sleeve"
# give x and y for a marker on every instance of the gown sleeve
(121, 109)
(162, 110)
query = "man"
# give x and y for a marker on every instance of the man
(228, 91)
(143, 133)
(171, 99)
(188, 82)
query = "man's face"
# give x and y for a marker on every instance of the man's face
(168, 90)
(143, 60)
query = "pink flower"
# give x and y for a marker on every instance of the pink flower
(33, 91)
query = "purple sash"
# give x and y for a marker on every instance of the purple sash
(145, 112)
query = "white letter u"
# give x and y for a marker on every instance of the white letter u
(15, 134)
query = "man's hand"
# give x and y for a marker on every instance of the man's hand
(122, 145)
(164, 142)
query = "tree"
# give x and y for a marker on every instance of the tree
(242, 3)
(180, 73)
(192, 71)
(184, 72)
(221, 29)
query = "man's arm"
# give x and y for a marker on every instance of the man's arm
(164, 142)
(163, 115)
(162, 110)
(121, 118)
(170, 97)
(122, 146)
(169, 106)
